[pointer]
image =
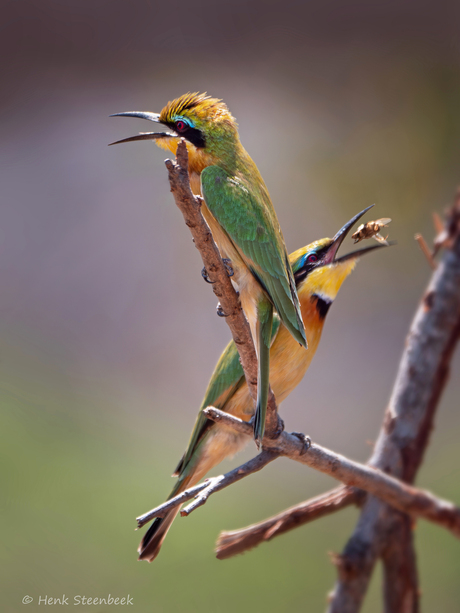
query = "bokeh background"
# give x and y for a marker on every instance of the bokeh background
(108, 334)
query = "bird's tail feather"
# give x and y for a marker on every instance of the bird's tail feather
(153, 539)
(264, 325)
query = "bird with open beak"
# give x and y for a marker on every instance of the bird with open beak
(240, 213)
(318, 274)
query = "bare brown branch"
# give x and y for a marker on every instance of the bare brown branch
(203, 490)
(190, 207)
(239, 541)
(406, 498)
(400, 577)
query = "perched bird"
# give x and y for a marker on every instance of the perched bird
(242, 219)
(319, 276)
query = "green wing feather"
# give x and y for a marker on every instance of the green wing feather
(250, 223)
(227, 377)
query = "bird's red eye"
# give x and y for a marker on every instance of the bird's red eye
(180, 126)
(312, 258)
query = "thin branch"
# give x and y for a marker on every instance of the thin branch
(406, 498)
(190, 207)
(239, 541)
(202, 491)
(425, 250)
(217, 484)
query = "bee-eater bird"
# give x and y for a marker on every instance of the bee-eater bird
(242, 219)
(319, 276)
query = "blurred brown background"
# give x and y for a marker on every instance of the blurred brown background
(108, 333)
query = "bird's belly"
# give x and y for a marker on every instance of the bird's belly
(221, 443)
(240, 404)
(287, 370)
(289, 361)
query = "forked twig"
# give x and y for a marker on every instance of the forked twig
(202, 491)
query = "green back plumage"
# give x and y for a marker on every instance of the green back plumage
(242, 206)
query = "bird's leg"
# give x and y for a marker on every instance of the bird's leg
(204, 274)
(228, 267)
(306, 440)
(280, 428)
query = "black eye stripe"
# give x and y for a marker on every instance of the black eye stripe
(193, 135)
(307, 266)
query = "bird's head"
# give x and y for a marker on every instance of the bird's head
(319, 273)
(206, 124)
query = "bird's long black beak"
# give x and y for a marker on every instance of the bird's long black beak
(339, 238)
(143, 135)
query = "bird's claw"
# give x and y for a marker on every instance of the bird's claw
(228, 270)
(228, 267)
(204, 274)
(280, 428)
(276, 435)
(306, 440)
(220, 310)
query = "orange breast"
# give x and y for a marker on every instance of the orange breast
(289, 361)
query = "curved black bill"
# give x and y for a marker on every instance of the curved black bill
(140, 114)
(340, 236)
(360, 252)
(143, 135)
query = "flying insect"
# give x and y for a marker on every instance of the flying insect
(371, 229)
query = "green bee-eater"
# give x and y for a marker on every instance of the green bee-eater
(242, 219)
(319, 276)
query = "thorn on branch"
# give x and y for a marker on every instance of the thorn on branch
(425, 250)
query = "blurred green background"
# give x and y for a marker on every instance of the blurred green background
(108, 333)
